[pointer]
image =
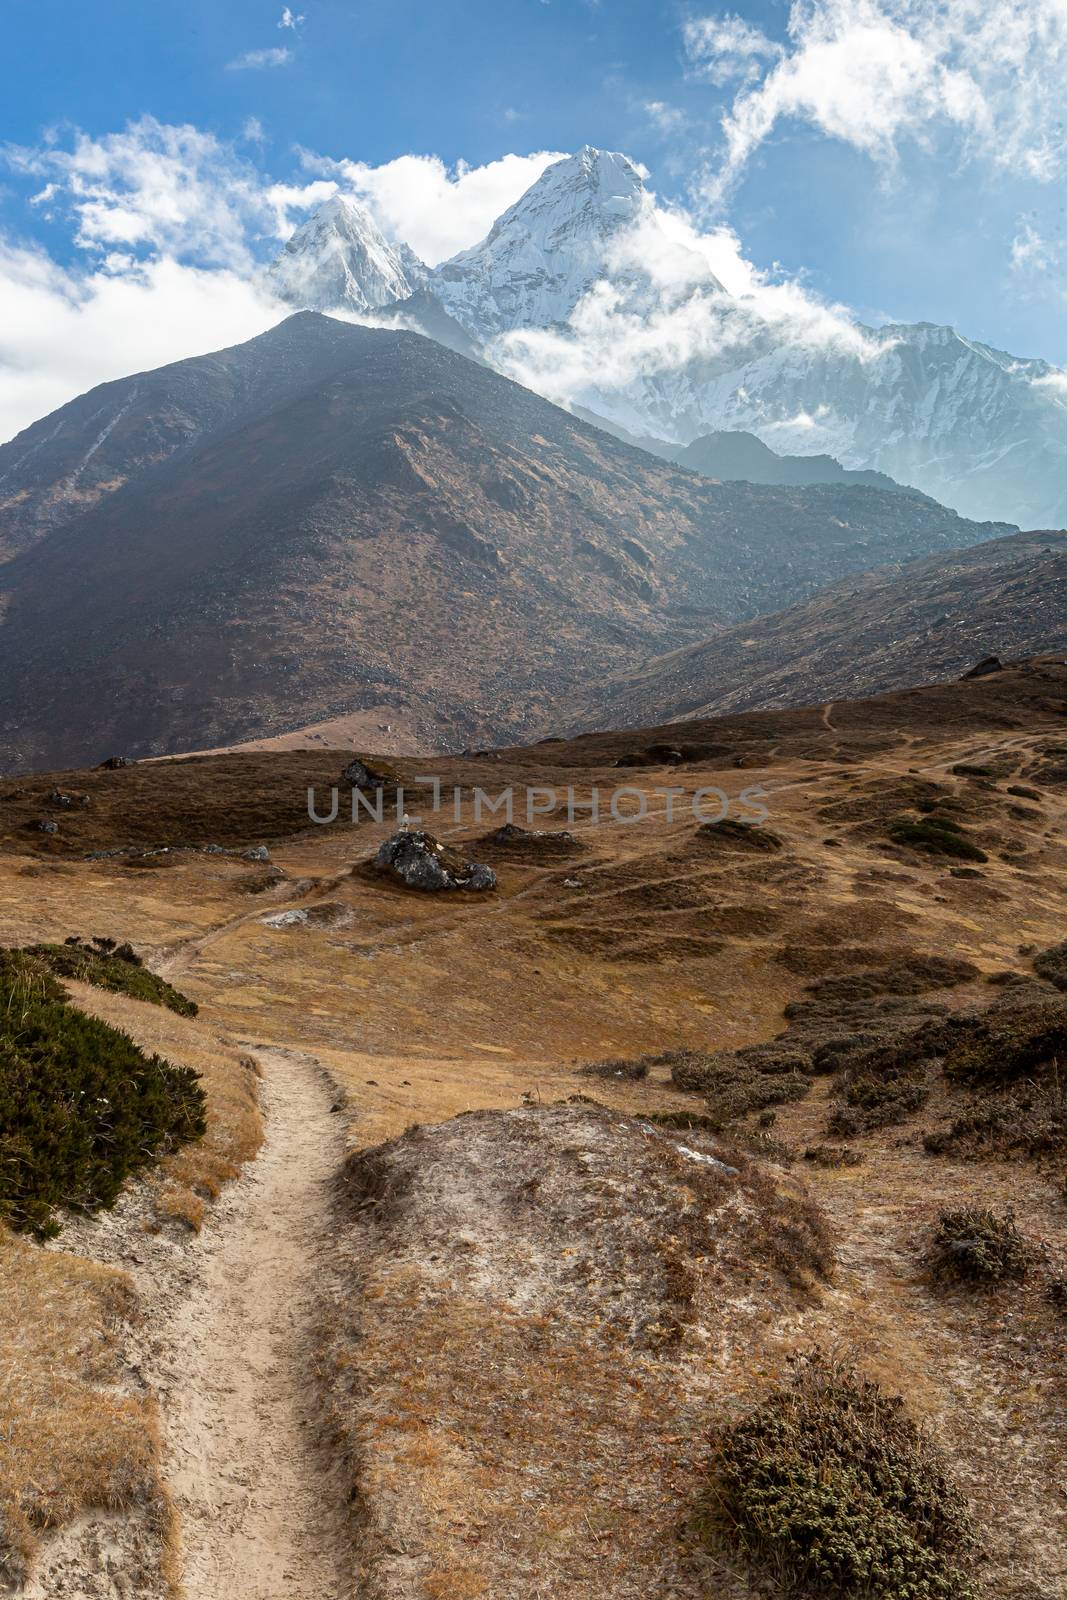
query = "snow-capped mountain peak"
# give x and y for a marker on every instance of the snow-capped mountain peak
(587, 219)
(339, 259)
(980, 429)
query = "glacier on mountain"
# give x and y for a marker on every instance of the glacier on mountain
(583, 290)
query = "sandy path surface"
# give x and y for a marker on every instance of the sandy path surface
(256, 1502)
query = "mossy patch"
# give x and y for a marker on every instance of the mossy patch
(1015, 1042)
(1051, 964)
(831, 1490)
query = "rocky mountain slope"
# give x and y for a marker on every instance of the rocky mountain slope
(743, 455)
(930, 620)
(340, 260)
(358, 518)
(978, 428)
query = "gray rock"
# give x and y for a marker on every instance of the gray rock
(423, 862)
(361, 776)
(258, 852)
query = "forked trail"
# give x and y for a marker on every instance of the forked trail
(254, 1497)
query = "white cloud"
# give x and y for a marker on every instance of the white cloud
(875, 73)
(289, 19)
(659, 309)
(254, 60)
(154, 187)
(666, 118)
(1030, 252)
(1056, 381)
(727, 47)
(438, 210)
(61, 332)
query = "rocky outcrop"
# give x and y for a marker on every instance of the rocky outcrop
(423, 862)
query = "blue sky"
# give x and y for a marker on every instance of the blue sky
(903, 157)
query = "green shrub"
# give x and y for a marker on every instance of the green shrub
(874, 1102)
(735, 835)
(1051, 965)
(1028, 1122)
(81, 1106)
(733, 1086)
(978, 1247)
(114, 967)
(936, 836)
(1020, 1040)
(832, 1489)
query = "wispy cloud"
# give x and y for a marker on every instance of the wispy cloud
(437, 209)
(289, 19)
(877, 73)
(664, 117)
(727, 47)
(255, 60)
(1030, 252)
(158, 189)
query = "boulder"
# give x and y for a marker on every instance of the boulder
(423, 862)
(258, 852)
(360, 774)
(984, 668)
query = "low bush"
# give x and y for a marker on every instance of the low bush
(1020, 1039)
(913, 975)
(938, 836)
(976, 1246)
(733, 1087)
(833, 1155)
(111, 966)
(872, 1102)
(1027, 1123)
(833, 1491)
(733, 835)
(1051, 964)
(81, 1106)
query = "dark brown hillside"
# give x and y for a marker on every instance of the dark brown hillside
(367, 519)
(931, 619)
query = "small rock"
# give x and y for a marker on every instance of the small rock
(258, 852)
(44, 825)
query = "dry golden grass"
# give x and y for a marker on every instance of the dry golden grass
(71, 1440)
(494, 1444)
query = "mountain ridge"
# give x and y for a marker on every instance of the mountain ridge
(399, 528)
(879, 632)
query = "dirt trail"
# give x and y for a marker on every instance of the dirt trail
(255, 1500)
